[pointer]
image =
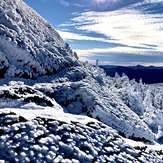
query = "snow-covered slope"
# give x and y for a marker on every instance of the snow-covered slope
(35, 127)
(69, 111)
(30, 46)
(72, 139)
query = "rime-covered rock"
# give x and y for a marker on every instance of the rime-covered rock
(29, 45)
(48, 139)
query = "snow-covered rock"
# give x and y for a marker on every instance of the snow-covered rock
(74, 139)
(30, 46)
(95, 98)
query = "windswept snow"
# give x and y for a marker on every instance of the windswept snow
(53, 108)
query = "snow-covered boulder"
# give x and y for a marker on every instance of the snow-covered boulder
(77, 140)
(29, 45)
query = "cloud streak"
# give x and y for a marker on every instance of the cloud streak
(64, 3)
(153, 1)
(121, 56)
(133, 28)
(110, 5)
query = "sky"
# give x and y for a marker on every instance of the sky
(116, 32)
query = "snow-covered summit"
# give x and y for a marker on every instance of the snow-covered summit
(30, 46)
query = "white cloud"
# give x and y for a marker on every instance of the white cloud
(74, 36)
(121, 56)
(128, 27)
(64, 3)
(68, 36)
(132, 29)
(77, 5)
(118, 50)
(153, 1)
(103, 5)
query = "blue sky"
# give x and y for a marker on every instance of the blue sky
(117, 32)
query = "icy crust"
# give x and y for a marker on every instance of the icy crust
(45, 139)
(30, 46)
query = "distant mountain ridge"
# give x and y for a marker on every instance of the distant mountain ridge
(149, 75)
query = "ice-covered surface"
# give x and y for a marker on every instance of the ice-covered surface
(69, 111)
